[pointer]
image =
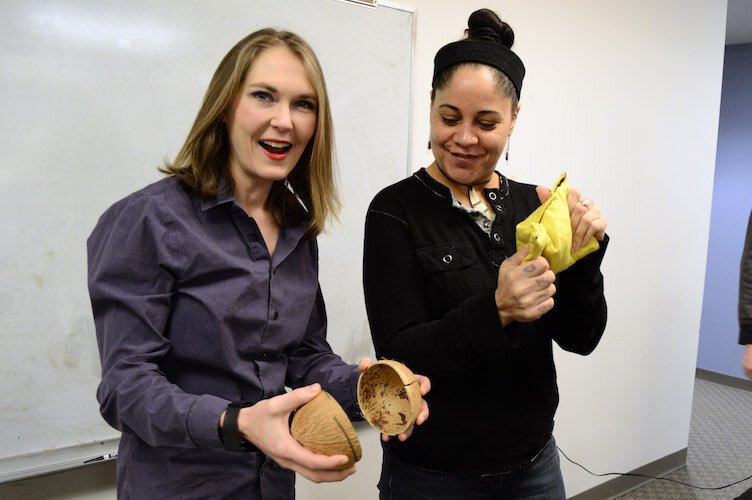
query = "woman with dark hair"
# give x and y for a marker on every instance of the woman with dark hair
(448, 293)
(204, 287)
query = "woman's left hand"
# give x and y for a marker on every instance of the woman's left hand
(425, 386)
(587, 219)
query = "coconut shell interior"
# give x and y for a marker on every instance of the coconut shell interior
(322, 426)
(389, 396)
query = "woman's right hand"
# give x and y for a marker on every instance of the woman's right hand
(266, 425)
(524, 291)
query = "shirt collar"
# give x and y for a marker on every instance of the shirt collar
(432, 184)
(443, 191)
(223, 196)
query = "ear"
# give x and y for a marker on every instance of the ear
(514, 118)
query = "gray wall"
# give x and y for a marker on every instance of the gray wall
(732, 202)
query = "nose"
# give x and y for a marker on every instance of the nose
(282, 119)
(465, 136)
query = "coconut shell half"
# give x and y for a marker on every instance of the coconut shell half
(389, 396)
(322, 426)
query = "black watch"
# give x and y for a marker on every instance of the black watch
(229, 433)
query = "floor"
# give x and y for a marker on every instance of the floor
(719, 450)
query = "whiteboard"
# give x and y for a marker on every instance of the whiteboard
(94, 95)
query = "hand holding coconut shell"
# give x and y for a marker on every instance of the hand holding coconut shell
(266, 425)
(390, 397)
(322, 426)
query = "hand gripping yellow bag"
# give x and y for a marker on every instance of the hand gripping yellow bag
(548, 230)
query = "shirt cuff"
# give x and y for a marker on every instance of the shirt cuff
(488, 334)
(745, 334)
(355, 414)
(203, 419)
(346, 393)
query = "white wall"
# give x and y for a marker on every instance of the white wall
(624, 96)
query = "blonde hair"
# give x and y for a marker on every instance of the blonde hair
(204, 158)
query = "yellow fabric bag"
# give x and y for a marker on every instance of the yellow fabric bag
(548, 230)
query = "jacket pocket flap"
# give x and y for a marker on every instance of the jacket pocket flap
(447, 257)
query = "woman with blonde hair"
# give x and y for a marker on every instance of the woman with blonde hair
(204, 288)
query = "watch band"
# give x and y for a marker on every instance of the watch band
(230, 436)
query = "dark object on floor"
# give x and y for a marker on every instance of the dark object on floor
(747, 495)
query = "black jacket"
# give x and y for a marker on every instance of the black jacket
(745, 289)
(430, 273)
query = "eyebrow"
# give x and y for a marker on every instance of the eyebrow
(481, 112)
(274, 90)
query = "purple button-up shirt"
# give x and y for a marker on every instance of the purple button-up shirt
(191, 313)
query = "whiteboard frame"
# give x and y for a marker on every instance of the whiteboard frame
(410, 99)
(50, 461)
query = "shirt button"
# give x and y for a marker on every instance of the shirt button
(447, 259)
(486, 224)
(492, 196)
(496, 237)
(498, 208)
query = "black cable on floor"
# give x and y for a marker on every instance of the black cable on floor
(651, 477)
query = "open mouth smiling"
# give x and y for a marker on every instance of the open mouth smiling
(275, 147)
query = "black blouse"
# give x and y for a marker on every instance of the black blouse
(430, 273)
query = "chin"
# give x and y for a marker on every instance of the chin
(467, 176)
(277, 173)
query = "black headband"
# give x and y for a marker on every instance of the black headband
(478, 51)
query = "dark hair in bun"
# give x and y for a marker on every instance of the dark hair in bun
(488, 42)
(485, 24)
